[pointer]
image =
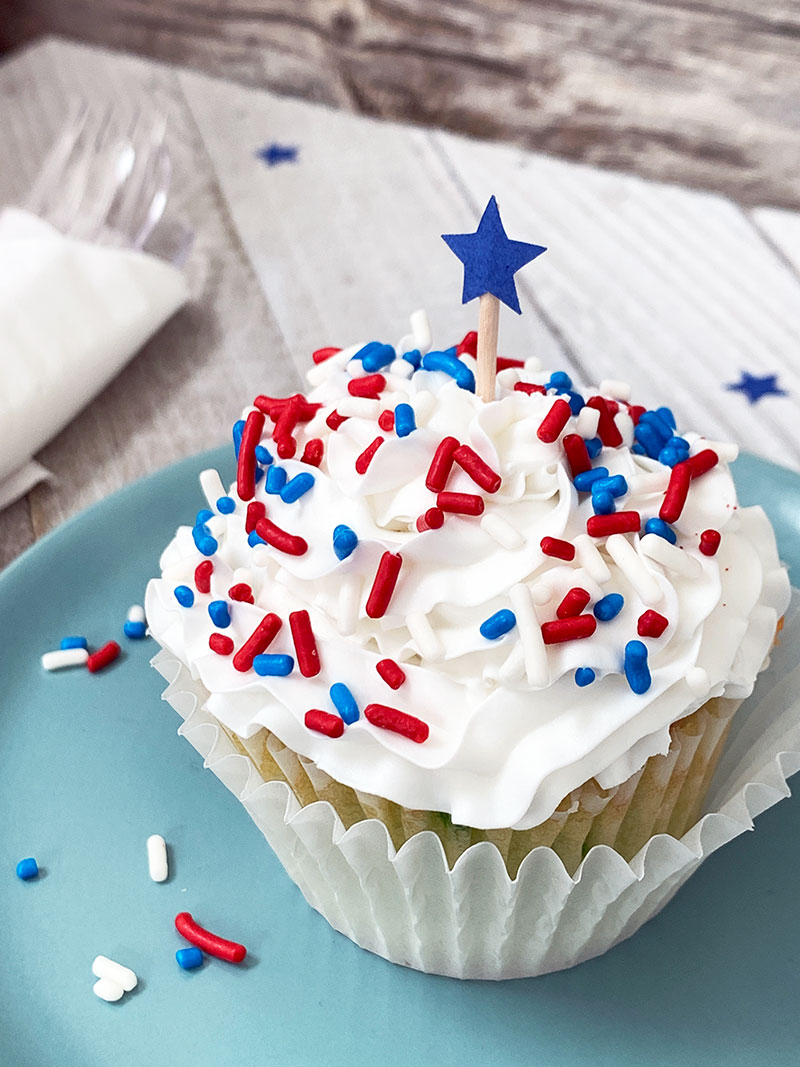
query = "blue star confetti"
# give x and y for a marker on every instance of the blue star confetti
(754, 387)
(491, 258)
(274, 153)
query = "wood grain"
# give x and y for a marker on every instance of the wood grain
(699, 93)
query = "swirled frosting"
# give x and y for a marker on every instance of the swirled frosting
(507, 739)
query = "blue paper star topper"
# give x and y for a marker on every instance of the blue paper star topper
(491, 258)
(754, 387)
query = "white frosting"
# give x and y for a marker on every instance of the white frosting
(505, 745)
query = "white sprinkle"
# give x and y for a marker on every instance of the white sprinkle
(587, 422)
(424, 636)
(262, 556)
(633, 567)
(615, 389)
(317, 425)
(136, 613)
(64, 657)
(698, 681)
(355, 368)
(242, 576)
(583, 580)
(103, 967)
(320, 372)
(501, 531)
(348, 604)
(726, 450)
(537, 671)
(424, 406)
(590, 559)
(405, 344)
(211, 484)
(359, 406)
(670, 556)
(421, 329)
(400, 368)
(157, 859)
(624, 424)
(541, 593)
(509, 377)
(532, 365)
(649, 484)
(217, 525)
(107, 990)
(514, 665)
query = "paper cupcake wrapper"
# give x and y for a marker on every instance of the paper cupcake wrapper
(474, 921)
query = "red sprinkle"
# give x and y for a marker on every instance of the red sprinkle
(103, 656)
(397, 721)
(479, 471)
(246, 470)
(677, 491)
(528, 387)
(554, 422)
(651, 624)
(618, 522)
(302, 409)
(305, 644)
(386, 421)
(433, 519)
(286, 447)
(504, 363)
(255, 510)
(577, 456)
(324, 723)
(460, 503)
(221, 644)
(335, 420)
(573, 603)
(636, 411)
(702, 462)
(312, 453)
(322, 354)
(391, 672)
(383, 584)
(469, 344)
(553, 633)
(439, 470)
(230, 951)
(202, 575)
(371, 385)
(291, 544)
(366, 457)
(709, 542)
(607, 429)
(257, 642)
(554, 546)
(242, 592)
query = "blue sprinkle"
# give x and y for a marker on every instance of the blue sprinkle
(660, 529)
(594, 446)
(669, 456)
(134, 630)
(576, 403)
(404, 421)
(370, 346)
(344, 541)
(189, 958)
(263, 456)
(666, 415)
(378, 358)
(452, 365)
(259, 475)
(296, 487)
(276, 479)
(602, 502)
(498, 624)
(608, 607)
(203, 516)
(616, 485)
(663, 429)
(203, 540)
(680, 443)
(74, 642)
(637, 450)
(583, 481)
(272, 664)
(636, 669)
(344, 702)
(584, 676)
(253, 539)
(414, 357)
(238, 430)
(27, 869)
(220, 616)
(648, 438)
(184, 595)
(226, 505)
(560, 380)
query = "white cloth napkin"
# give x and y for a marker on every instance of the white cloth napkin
(71, 316)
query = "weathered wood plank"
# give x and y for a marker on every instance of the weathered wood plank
(699, 93)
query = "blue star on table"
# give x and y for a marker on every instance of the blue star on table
(274, 153)
(491, 258)
(754, 387)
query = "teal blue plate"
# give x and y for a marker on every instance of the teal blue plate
(90, 765)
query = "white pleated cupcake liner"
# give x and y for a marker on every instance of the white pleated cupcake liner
(474, 921)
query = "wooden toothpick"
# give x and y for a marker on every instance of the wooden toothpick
(488, 320)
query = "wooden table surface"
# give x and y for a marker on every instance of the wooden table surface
(676, 290)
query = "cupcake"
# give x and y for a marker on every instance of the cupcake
(456, 638)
